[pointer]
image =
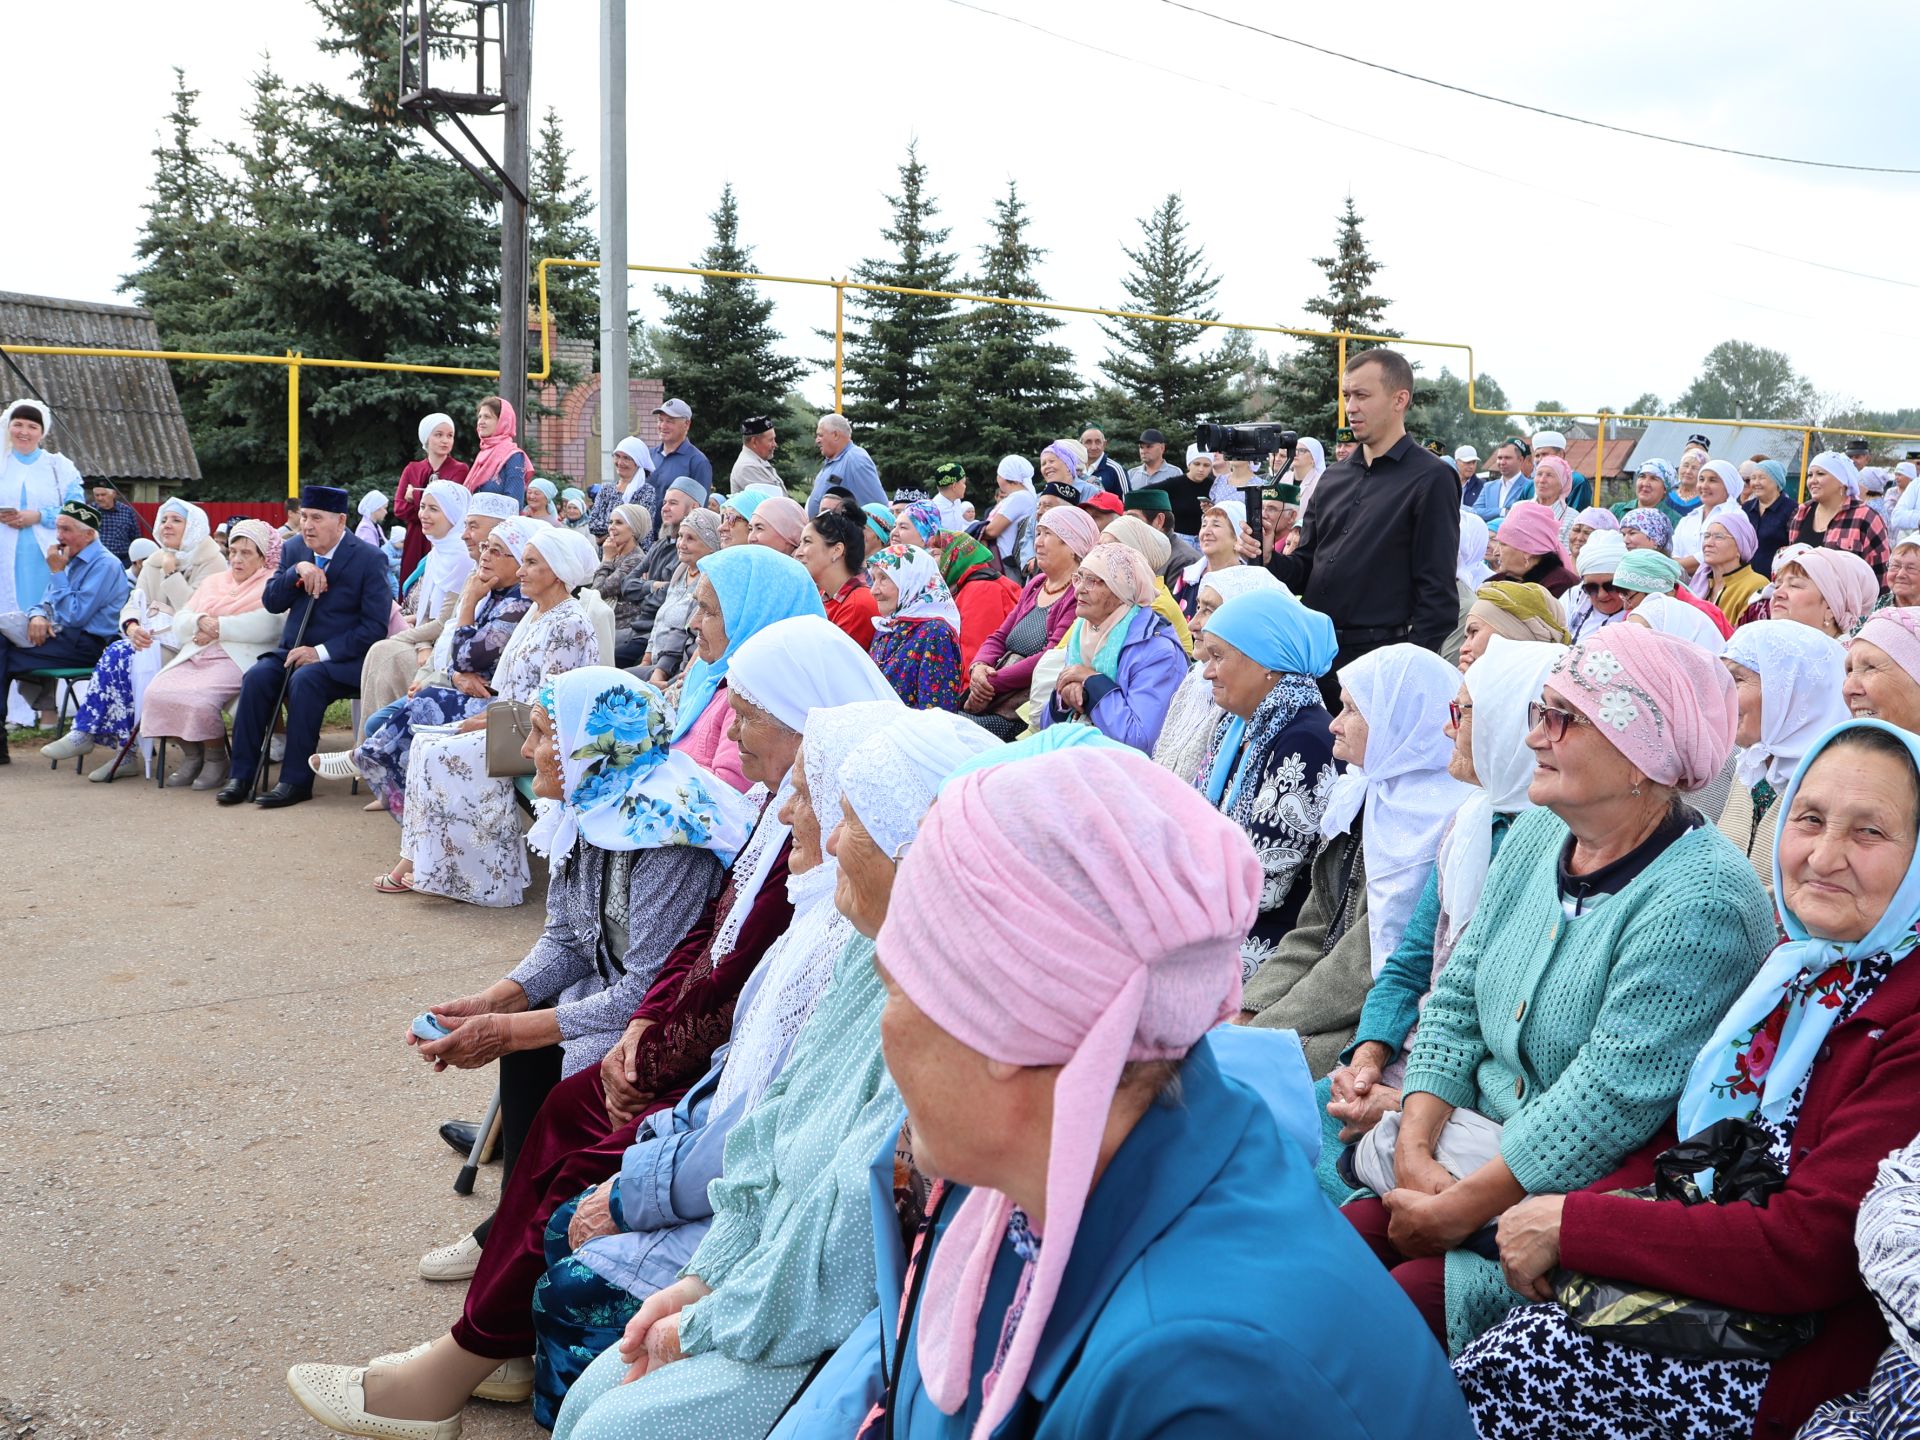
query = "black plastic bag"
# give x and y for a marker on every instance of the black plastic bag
(1737, 1151)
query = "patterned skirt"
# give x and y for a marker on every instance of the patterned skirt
(382, 756)
(107, 712)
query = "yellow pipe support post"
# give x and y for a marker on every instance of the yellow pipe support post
(293, 426)
(1339, 390)
(1600, 459)
(1806, 459)
(839, 345)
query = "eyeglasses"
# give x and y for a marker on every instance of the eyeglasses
(1594, 588)
(1458, 712)
(1554, 719)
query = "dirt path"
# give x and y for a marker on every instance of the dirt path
(219, 1157)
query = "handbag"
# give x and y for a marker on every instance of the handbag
(509, 723)
(1738, 1153)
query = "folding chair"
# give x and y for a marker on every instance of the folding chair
(69, 701)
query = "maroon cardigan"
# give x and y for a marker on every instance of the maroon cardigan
(1795, 1256)
(1017, 678)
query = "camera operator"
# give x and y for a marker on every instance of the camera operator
(1378, 546)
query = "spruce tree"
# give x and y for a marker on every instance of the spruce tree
(720, 347)
(1306, 384)
(893, 340)
(558, 207)
(1006, 387)
(1162, 375)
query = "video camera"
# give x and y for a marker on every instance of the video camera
(1245, 442)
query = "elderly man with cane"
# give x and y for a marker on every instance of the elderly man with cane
(333, 588)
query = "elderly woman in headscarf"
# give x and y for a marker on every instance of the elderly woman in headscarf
(1556, 1042)
(736, 516)
(621, 579)
(916, 641)
(669, 644)
(740, 591)
(1903, 574)
(638, 837)
(1517, 611)
(488, 611)
(1651, 485)
(777, 522)
(1837, 517)
(1720, 486)
(1831, 590)
(1769, 507)
(373, 514)
(1798, 1090)
(1381, 820)
(436, 443)
(1530, 548)
(500, 465)
(1580, 526)
(1002, 675)
(1489, 729)
(1192, 714)
(1725, 578)
(1552, 482)
(1469, 574)
(224, 627)
(983, 596)
(460, 833)
(1645, 575)
(542, 503)
(1156, 549)
(1030, 1075)
(1787, 680)
(1600, 603)
(108, 714)
(573, 508)
(1123, 661)
(632, 465)
(918, 524)
(1646, 530)
(1268, 758)
(1883, 669)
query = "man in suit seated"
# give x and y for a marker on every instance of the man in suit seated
(336, 585)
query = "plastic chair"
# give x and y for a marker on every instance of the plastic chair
(69, 701)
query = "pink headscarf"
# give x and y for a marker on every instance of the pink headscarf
(1896, 630)
(1845, 581)
(1533, 528)
(1732, 519)
(1103, 933)
(496, 449)
(1124, 570)
(1559, 467)
(1072, 525)
(1665, 704)
(783, 515)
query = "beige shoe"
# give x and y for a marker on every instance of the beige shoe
(457, 1261)
(336, 1396)
(510, 1384)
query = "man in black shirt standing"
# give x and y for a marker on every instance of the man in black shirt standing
(1380, 541)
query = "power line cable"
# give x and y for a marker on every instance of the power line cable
(1533, 109)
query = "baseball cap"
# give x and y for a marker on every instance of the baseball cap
(1467, 452)
(676, 409)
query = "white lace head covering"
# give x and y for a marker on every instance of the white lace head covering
(1887, 1235)
(1470, 562)
(891, 779)
(1801, 671)
(795, 972)
(1403, 692)
(797, 665)
(1502, 683)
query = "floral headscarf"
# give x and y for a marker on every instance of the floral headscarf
(1650, 523)
(923, 594)
(1669, 477)
(624, 787)
(925, 518)
(963, 558)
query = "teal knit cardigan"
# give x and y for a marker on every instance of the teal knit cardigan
(1577, 1035)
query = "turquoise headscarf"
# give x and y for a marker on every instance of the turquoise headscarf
(743, 505)
(756, 585)
(1770, 1037)
(1277, 632)
(1054, 737)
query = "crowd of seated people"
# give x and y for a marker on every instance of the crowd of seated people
(958, 938)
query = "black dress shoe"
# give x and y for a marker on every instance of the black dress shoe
(460, 1135)
(233, 792)
(282, 795)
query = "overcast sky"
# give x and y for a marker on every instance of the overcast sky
(1583, 266)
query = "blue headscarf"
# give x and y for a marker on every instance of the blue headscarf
(1275, 631)
(744, 504)
(1054, 737)
(757, 585)
(879, 519)
(1751, 1065)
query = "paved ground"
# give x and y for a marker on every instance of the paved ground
(219, 1157)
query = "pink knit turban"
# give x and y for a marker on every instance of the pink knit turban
(1103, 926)
(782, 515)
(1071, 524)
(1845, 581)
(1531, 526)
(1667, 705)
(1896, 630)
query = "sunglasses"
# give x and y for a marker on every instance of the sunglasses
(1594, 588)
(1554, 719)
(1458, 712)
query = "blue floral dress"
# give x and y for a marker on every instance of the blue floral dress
(107, 712)
(921, 660)
(382, 755)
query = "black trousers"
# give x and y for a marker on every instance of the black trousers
(527, 1077)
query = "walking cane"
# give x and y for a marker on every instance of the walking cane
(273, 715)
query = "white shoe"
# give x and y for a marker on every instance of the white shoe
(457, 1261)
(335, 765)
(277, 749)
(511, 1383)
(74, 742)
(335, 1395)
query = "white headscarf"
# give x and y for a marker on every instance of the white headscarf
(432, 423)
(448, 564)
(892, 778)
(793, 975)
(1841, 468)
(635, 449)
(1018, 469)
(1403, 691)
(1314, 448)
(1801, 671)
(1241, 580)
(373, 500)
(1470, 565)
(1677, 618)
(797, 665)
(1502, 683)
(568, 553)
(198, 526)
(46, 415)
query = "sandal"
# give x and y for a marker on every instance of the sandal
(391, 884)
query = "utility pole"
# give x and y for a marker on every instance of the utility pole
(615, 422)
(516, 71)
